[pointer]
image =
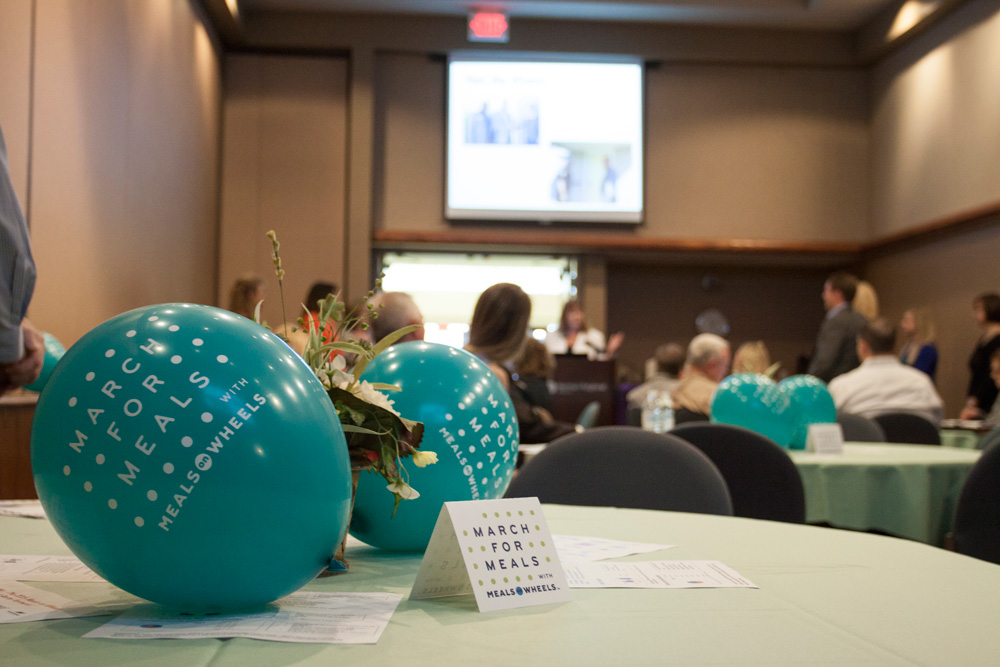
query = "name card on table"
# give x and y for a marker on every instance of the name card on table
(825, 439)
(499, 550)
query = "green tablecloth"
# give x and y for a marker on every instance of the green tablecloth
(826, 597)
(960, 437)
(904, 490)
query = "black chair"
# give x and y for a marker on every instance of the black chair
(623, 466)
(906, 427)
(685, 416)
(763, 482)
(976, 530)
(860, 429)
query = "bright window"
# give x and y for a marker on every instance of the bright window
(445, 287)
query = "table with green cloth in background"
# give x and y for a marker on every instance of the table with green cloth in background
(904, 490)
(825, 597)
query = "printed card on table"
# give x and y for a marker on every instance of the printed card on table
(499, 550)
(825, 439)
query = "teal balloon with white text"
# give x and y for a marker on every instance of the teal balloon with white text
(469, 422)
(753, 401)
(190, 457)
(812, 404)
(54, 351)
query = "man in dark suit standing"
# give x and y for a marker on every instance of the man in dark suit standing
(836, 345)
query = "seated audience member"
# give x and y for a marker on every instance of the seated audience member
(669, 361)
(751, 357)
(395, 310)
(247, 291)
(574, 336)
(533, 370)
(706, 364)
(497, 333)
(918, 349)
(836, 343)
(881, 383)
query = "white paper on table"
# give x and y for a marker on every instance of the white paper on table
(576, 548)
(28, 508)
(303, 617)
(45, 568)
(655, 574)
(20, 603)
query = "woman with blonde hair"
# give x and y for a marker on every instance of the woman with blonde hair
(918, 348)
(865, 300)
(751, 357)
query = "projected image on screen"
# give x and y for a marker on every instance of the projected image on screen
(545, 140)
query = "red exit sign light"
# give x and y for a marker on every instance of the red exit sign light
(488, 27)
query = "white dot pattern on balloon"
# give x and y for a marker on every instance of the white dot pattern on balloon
(168, 467)
(187, 441)
(222, 359)
(152, 318)
(72, 402)
(151, 494)
(472, 448)
(173, 327)
(176, 359)
(461, 432)
(206, 417)
(66, 470)
(90, 376)
(109, 354)
(448, 417)
(130, 333)
(100, 459)
(479, 466)
(139, 522)
(197, 342)
(112, 503)
(88, 487)
(485, 411)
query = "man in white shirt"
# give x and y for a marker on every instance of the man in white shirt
(881, 383)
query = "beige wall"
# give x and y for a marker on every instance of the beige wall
(284, 162)
(15, 88)
(732, 151)
(123, 158)
(936, 122)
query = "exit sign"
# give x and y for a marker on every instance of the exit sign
(488, 27)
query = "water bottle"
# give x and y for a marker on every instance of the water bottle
(658, 412)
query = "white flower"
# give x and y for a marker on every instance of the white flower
(422, 458)
(372, 395)
(405, 491)
(338, 362)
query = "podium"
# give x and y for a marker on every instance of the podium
(578, 381)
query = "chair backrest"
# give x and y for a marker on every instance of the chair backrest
(624, 466)
(976, 529)
(589, 414)
(685, 416)
(860, 429)
(906, 427)
(763, 481)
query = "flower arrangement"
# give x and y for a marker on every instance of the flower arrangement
(378, 437)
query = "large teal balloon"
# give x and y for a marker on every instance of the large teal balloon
(812, 403)
(754, 401)
(469, 422)
(190, 457)
(54, 351)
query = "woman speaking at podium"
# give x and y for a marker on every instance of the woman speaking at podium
(574, 336)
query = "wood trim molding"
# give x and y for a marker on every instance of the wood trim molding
(574, 241)
(600, 242)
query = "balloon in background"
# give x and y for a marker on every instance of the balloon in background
(812, 403)
(754, 401)
(469, 422)
(54, 351)
(188, 456)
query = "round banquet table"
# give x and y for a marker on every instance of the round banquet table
(826, 597)
(904, 490)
